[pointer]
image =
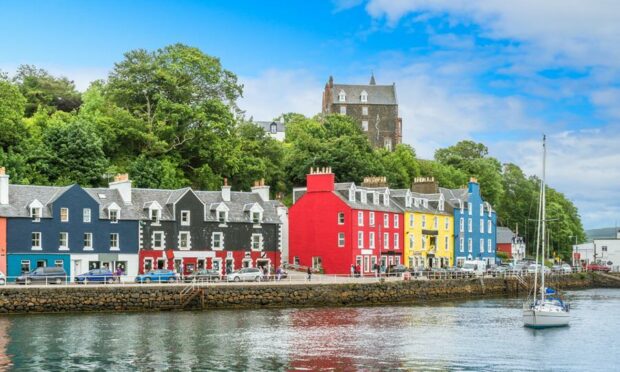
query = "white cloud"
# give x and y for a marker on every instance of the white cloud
(570, 32)
(274, 92)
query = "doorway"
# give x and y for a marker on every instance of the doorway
(41, 263)
(216, 264)
(148, 264)
(366, 264)
(161, 263)
(201, 264)
(264, 265)
(230, 265)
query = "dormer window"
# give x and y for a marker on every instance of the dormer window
(35, 214)
(386, 199)
(113, 215)
(274, 128)
(222, 216)
(441, 205)
(255, 213)
(364, 96)
(256, 217)
(425, 201)
(352, 193)
(154, 216)
(342, 96)
(416, 202)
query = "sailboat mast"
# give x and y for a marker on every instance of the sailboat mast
(543, 219)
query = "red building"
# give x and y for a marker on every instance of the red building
(336, 225)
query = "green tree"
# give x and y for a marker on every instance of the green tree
(400, 165)
(43, 90)
(153, 173)
(12, 103)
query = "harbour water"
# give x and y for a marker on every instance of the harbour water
(475, 335)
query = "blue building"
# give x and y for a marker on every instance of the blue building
(72, 227)
(475, 224)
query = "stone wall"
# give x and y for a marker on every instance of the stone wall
(168, 297)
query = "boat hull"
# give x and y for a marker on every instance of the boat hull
(539, 318)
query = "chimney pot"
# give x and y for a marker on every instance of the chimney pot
(4, 187)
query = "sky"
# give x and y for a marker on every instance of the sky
(494, 71)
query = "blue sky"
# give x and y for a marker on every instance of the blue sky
(493, 71)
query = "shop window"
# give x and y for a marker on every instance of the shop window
(25, 266)
(121, 267)
(94, 265)
(317, 263)
(41, 263)
(59, 263)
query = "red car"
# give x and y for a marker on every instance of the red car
(597, 267)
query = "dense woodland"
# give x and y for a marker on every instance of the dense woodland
(170, 119)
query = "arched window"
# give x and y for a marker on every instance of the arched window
(364, 96)
(274, 128)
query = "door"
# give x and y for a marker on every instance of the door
(201, 264)
(161, 263)
(366, 264)
(230, 265)
(77, 268)
(148, 264)
(264, 266)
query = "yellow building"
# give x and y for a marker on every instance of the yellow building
(429, 230)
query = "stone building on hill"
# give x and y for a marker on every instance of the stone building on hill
(374, 107)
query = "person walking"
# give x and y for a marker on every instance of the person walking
(309, 273)
(358, 271)
(278, 273)
(352, 271)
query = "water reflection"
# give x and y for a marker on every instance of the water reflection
(474, 335)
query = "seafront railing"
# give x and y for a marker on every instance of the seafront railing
(292, 277)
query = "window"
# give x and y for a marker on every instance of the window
(411, 220)
(185, 218)
(25, 266)
(154, 216)
(481, 226)
(217, 241)
(256, 217)
(58, 263)
(603, 248)
(222, 216)
(386, 240)
(469, 208)
(365, 110)
(273, 128)
(360, 218)
(423, 221)
(88, 241)
(490, 227)
(360, 239)
(462, 225)
(63, 241)
(447, 223)
(36, 240)
(114, 241)
(371, 240)
(257, 242)
(446, 243)
(489, 246)
(341, 239)
(469, 225)
(184, 240)
(64, 214)
(396, 241)
(387, 143)
(481, 245)
(340, 218)
(35, 214)
(371, 218)
(462, 245)
(423, 243)
(86, 215)
(342, 96)
(386, 220)
(158, 240)
(470, 246)
(411, 241)
(435, 222)
(481, 210)
(365, 125)
(364, 96)
(343, 110)
(113, 215)
(395, 221)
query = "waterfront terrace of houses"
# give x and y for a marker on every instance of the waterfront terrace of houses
(336, 226)
(135, 229)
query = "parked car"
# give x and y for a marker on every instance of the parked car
(203, 275)
(55, 275)
(157, 276)
(2, 278)
(96, 276)
(597, 267)
(497, 270)
(247, 274)
(562, 269)
(476, 267)
(397, 270)
(532, 269)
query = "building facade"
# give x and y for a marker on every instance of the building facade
(334, 226)
(475, 224)
(510, 243)
(605, 251)
(373, 107)
(274, 129)
(71, 227)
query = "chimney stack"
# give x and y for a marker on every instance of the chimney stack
(4, 187)
(375, 182)
(425, 185)
(123, 185)
(226, 190)
(260, 189)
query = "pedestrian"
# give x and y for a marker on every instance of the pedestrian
(352, 271)
(309, 273)
(358, 271)
(278, 273)
(181, 267)
(376, 270)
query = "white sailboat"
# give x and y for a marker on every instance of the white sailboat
(544, 309)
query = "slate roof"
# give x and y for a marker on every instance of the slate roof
(451, 196)
(266, 125)
(504, 235)
(377, 94)
(398, 195)
(20, 196)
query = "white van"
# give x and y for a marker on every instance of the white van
(477, 267)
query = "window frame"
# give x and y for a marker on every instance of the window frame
(259, 242)
(187, 215)
(188, 237)
(88, 237)
(396, 241)
(63, 235)
(340, 218)
(371, 240)
(87, 215)
(341, 240)
(360, 218)
(220, 245)
(115, 237)
(35, 214)
(371, 218)
(386, 220)
(360, 240)
(396, 222)
(64, 217)
(39, 239)
(160, 246)
(114, 215)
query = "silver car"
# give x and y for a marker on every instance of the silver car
(247, 274)
(532, 269)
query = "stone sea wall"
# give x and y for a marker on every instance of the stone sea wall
(257, 295)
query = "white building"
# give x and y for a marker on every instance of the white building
(275, 129)
(604, 250)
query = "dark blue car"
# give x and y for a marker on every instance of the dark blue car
(157, 276)
(96, 276)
